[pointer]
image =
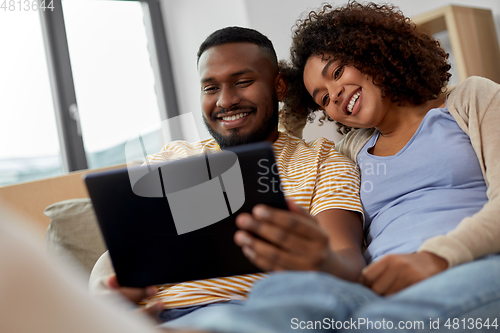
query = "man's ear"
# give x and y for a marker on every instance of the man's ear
(281, 86)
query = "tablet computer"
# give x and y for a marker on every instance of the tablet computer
(175, 221)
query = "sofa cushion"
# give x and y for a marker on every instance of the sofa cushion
(74, 232)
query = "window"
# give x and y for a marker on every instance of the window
(78, 81)
(113, 77)
(28, 131)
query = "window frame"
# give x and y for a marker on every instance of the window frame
(62, 83)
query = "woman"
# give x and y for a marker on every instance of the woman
(430, 172)
(369, 67)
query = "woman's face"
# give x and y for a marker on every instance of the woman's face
(347, 95)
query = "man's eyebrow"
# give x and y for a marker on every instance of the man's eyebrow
(243, 71)
(323, 73)
(208, 79)
(235, 74)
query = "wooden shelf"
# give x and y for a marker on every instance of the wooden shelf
(473, 39)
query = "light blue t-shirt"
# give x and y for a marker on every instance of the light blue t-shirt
(424, 190)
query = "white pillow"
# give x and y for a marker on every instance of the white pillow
(74, 232)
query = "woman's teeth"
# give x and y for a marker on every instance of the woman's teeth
(234, 117)
(353, 101)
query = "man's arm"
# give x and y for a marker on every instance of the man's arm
(103, 281)
(294, 240)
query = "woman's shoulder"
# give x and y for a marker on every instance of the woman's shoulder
(474, 86)
(473, 98)
(352, 143)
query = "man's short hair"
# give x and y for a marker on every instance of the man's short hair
(238, 35)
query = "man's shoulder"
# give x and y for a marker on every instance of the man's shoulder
(203, 145)
(320, 150)
(290, 141)
(180, 149)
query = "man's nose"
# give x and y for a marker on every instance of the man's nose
(227, 98)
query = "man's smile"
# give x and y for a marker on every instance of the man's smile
(233, 119)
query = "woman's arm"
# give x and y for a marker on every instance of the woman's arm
(476, 106)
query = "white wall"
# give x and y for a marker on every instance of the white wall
(189, 22)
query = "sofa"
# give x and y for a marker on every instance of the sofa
(60, 213)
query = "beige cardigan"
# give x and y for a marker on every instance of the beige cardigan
(475, 105)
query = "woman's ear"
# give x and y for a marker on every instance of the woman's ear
(281, 86)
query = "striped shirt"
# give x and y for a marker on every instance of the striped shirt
(313, 174)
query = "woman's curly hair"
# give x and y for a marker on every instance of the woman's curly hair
(407, 64)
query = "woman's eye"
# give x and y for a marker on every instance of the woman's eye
(325, 99)
(338, 72)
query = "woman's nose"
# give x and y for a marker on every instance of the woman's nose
(337, 93)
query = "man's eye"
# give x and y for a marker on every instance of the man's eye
(325, 99)
(338, 72)
(209, 90)
(244, 83)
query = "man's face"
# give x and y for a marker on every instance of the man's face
(239, 86)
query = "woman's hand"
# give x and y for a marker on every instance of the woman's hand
(393, 273)
(289, 240)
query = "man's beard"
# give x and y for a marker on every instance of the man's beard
(269, 124)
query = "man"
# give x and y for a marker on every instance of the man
(240, 91)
